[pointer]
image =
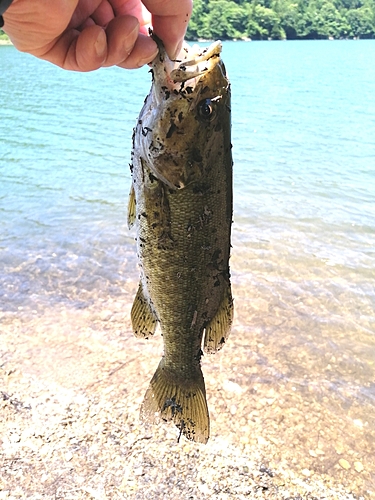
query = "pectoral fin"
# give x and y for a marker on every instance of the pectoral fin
(217, 330)
(143, 318)
(131, 208)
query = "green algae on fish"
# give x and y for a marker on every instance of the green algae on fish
(181, 205)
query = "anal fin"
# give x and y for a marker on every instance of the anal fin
(143, 318)
(218, 329)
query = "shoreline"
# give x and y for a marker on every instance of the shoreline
(8, 42)
(81, 384)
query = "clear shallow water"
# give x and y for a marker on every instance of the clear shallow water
(303, 260)
(304, 123)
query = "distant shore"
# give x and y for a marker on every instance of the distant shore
(8, 42)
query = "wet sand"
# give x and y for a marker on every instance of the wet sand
(72, 382)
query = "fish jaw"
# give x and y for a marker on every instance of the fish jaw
(180, 93)
(191, 63)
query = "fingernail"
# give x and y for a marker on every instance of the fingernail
(101, 44)
(130, 39)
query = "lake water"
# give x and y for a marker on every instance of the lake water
(303, 258)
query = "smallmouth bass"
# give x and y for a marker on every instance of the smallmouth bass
(181, 205)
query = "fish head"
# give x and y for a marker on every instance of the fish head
(184, 115)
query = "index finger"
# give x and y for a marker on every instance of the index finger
(170, 19)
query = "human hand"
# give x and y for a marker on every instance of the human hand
(83, 35)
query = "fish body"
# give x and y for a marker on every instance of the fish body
(181, 205)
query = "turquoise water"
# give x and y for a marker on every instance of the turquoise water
(303, 262)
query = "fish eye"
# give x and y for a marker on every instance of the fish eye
(205, 109)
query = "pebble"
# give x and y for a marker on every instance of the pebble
(139, 471)
(15, 438)
(85, 433)
(233, 409)
(230, 386)
(262, 441)
(358, 466)
(344, 464)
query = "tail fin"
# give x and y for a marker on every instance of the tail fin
(180, 400)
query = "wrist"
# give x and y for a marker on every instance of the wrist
(4, 4)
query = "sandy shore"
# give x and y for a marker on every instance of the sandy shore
(5, 42)
(71, 385)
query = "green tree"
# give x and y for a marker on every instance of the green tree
(198, 19)
(290, 17)
(278, 19)
(330, 23)
(3, 35)
(264, 23)
(225, 19)
(361, 22)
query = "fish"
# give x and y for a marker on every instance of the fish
(181, 204)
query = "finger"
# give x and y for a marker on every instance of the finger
(171, 32)
(170, 20)
(144, 51)
(89, 22)
(122, 33)
(133, 8)
(79, 51)
(84, 9)
(103, 14)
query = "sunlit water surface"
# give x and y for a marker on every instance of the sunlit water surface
(303, 258)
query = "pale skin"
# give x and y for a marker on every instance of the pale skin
(84, 35)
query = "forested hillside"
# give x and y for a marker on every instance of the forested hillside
(282, 19)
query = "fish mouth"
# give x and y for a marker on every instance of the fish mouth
(203, 61)
(191, 63)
